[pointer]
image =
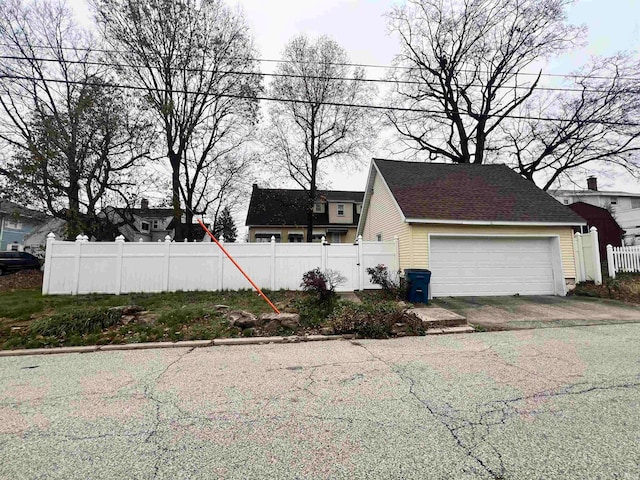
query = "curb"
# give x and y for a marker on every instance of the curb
(181, 344)
(218, 342)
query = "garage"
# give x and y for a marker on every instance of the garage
(498, 265)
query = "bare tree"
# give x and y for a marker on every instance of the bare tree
(70, 135)
(461, 64)
(194, 61)
(318, 118)
(596, 125)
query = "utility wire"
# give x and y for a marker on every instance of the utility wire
(281, 75)
(297, 101)
(347, 64)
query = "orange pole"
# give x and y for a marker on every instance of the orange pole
(238, 266)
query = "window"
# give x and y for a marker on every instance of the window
(295, 238)
(144, 226)
(317, 237)
(156, 224)
(341, 209)
(266, 237)
(318, 207)
(13, 224)
(358, 208)
(566, 201)
(614, 201)
(635, 203)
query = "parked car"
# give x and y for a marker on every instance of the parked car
(14, 261)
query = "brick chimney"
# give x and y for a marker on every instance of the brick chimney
(144, 203)
(592, 184)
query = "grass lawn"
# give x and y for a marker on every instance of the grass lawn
(30, 320)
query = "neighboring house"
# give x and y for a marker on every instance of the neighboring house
(148, 224)
(16, 223)
(36, 241)
(624, 206)
(281, 213)
(480, 229)
(609, 232)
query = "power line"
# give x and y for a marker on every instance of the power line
(347, 64)
(298, 101)
(281, 75)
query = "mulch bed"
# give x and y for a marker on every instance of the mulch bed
(22, 280)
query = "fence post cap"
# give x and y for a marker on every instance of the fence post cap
(167, 238)
(120, 239)
(51, 235)
(609, 247)
(140, 240)
(79, 238)
(359, 238)
(577, 234)
(593, 229)
(323, 239)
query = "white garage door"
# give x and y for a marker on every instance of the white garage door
(469, 266)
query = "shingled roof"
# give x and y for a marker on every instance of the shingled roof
(468, 192)
(278, 207)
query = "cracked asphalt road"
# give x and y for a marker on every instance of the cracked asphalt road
(551, 403)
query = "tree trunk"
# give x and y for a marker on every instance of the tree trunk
(312, 199)
(174, 160)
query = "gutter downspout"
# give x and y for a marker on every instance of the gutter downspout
(1, 231)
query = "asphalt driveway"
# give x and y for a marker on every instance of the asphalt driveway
(514, 312)
(548, 403)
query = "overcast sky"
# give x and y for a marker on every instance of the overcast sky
(360, 28)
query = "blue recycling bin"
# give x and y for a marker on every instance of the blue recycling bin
(417, 284)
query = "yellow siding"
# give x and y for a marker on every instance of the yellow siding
(333, 213)
(383, 217)
(420, 233)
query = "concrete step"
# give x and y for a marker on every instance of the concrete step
(436, 317)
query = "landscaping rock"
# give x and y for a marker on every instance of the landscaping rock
(126, 319)
(399, 329)
(146, 318)
(221, 308)
(271, 327)
(403, 305)
(327, 331)
(242, 319)
(286, 320)
(127, 309)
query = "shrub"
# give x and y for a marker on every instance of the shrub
(323, 283)
(392, 284)
(371, 320)
(314, 311)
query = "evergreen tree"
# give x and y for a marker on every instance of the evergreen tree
(226, 226)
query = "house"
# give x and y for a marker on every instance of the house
(281, 213)
(624, 206)
(16, 223)
(144, 223)
(609, 232)
(480, 229)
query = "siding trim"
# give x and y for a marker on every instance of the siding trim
(492, 222)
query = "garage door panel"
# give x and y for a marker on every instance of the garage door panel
(464, 266)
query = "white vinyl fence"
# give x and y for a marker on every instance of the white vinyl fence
(587, 256)
(623, 259)
(118, 267)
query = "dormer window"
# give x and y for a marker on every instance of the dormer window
(145, 226)
(318, 207)
(340, 209)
